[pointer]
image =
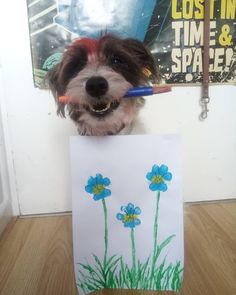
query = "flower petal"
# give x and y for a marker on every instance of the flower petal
(119, 216)
(137, 210)
(129, 224)
(106, 181)
(130, 208)
(107, 192)
(91, 181)
(100, 196)
(167, 176)
(132, 224)
(155, 169)
(137, 221)
(162, 187)
(97, 197)
(99, 178)
(89, 189)
(149, 176)
(153, 186)
(163, 169)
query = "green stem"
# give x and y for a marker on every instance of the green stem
(106, 232)
(156, 222)
(133, 250)
(133, 258)
(155, 237)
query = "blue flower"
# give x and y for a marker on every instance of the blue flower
(158, 176)
(96, 186)
(130, 216)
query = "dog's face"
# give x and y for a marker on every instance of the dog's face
(95, 75)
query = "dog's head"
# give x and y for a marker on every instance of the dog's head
(95, 75)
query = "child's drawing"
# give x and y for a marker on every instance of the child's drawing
(136, 246)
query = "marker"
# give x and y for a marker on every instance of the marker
(147, 90)
(133, 92)
(64, 99)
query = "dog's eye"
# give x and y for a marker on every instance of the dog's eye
(115, 60)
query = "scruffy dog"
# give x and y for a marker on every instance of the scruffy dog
(95, 75)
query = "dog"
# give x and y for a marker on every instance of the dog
(96, 74)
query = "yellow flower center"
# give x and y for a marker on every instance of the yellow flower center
(129, 217)
(157, 179)
(98, 189)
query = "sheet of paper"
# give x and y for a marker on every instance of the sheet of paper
(127, 212)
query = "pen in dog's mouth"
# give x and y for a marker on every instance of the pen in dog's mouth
(133, 92)
(147, 90)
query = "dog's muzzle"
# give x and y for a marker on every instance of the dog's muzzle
(97, 88)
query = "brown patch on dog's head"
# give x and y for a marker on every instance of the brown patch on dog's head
(129, 57)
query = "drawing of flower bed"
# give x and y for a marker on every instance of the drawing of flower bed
(113, 271)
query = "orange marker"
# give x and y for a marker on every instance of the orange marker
(64, 99)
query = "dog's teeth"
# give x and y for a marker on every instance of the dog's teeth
(107, 107)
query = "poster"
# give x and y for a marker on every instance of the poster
(127, 212)
(172, 29)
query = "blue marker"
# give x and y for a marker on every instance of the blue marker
(146, 90)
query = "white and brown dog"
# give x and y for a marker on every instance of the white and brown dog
(96, 75)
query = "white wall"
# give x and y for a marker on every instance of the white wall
(40, 139)
(209, 147)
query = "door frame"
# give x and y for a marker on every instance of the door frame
(9, 205)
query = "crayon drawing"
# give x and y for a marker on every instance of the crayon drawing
(115, 211)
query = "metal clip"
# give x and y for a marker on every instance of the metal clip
(204, 103)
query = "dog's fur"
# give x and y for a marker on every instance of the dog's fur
(96, 74)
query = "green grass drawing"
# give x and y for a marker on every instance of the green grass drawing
(118, 274)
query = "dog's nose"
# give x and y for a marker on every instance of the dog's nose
(96, 86)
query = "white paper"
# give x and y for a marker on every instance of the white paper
(108, 254)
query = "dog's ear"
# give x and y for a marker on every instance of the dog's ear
(54, 83)
(147, 63)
